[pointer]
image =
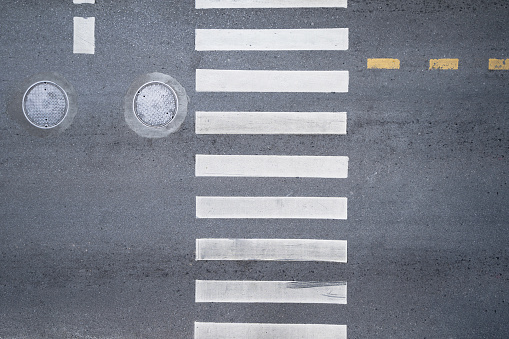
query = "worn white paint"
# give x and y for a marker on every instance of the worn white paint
(215, 80)
(84, 35)
(270, 122)
(269, 3)
(272, 207)
(272, 249)
(231, 291)
(268, 331)
(332, 39)
(271, 166)
(83, 1)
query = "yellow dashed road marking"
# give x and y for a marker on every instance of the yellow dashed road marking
(499, 65)
(443, 63)
(383, 63)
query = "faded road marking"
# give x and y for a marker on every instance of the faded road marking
(443, 63)
(270, 123)
(215, 80)
(269, 3)
(384, 63)
(268, 331)
(271, 166)
(84, 35)
(231, 291)
(271, 207)
(332, 39)
(499, 65)
(272, 249)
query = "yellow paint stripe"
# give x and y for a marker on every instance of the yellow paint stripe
(383, 63)
(499, 65)
(443, 63)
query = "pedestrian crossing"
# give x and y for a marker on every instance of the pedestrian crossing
(204, 4)
(271, 166)
(328, 39)
(204, 330)
(239, 81)
(308, 292)
(271, 207)
(272, 249)
(229, 80)
(270, 123)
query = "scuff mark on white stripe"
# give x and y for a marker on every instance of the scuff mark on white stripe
(84, 35)
(272, 249)
(332, 39)
(271, 166)
(270, 122)
(230, 291)
(269, 3)
(215, 80)
(268, 331)
(271, 207)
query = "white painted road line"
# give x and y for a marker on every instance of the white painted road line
(215, 80)
(271, 166)
(270, 123)
(272, 249)
(83, 1)
(230, 291)
(268, 331)
(271, 207)
(332, 39)
(269, 3)
(84, 35)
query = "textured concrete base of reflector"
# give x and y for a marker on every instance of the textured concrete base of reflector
(143, 125)
(42, 113)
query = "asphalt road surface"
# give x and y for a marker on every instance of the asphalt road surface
(98, 225)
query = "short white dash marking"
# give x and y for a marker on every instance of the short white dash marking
(270, 123)
(332, 39)
(271, 166)
(215, 80)
(229, 291)
(269, 3)
(268, 331)
(272, 249)
(272, 207)
(83, 1)
(84, 35)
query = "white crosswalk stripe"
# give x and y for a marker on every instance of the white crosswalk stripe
(268, 331)
(232, 291)
(219, 80)
(271, 166)
(271, 207)
(269, 3)
(270, 122)
(272, 249)
(331, 39)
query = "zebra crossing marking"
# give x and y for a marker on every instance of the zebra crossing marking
(271, 166)
(271, 207)
(209, 330)
(205, 4)
(241, 291)
(272, 249)
(270, 122)
(217, 80)
(327, 39)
